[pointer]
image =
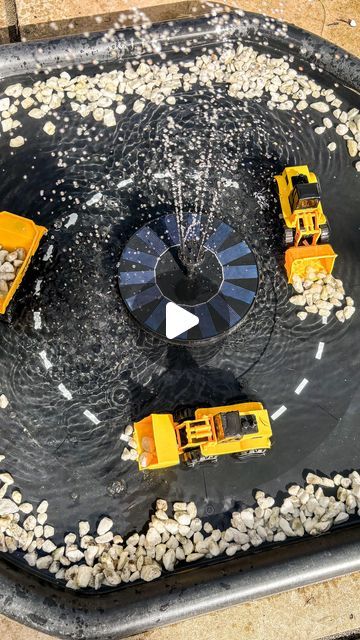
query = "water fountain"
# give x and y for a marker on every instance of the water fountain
(195, 260)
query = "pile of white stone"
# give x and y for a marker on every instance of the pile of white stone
(86, 560)
(320, 293)
(10, 263)
(130, 452)
(246, 73)
(347, 124)
(145, 456)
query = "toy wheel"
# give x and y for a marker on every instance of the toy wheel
(250, 455)
(187, 413)
(193, 458)
(325, 233)
(288, 237)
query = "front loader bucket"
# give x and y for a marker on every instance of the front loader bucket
(160, 429)
(320, 256)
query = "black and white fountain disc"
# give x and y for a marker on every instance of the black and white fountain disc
(220, 292)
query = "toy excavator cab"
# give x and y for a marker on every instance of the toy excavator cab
(233, 426)
(305, 195)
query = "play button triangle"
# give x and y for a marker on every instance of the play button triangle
(178, 320)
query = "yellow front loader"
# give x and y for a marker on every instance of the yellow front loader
(306, 231)
(242, 430)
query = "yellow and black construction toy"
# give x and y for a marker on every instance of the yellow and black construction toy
(164, 440)
(306, 229)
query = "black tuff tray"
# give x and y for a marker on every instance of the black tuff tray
(51, 449)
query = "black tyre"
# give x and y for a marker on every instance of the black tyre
(288, 237)
(325, 233)
(188, 413)
(255, 454)
(194, 458)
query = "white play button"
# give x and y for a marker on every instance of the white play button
(178, 320)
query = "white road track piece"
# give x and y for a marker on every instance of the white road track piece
(37, 320)
(164, 174)
(91, 416)
(38, 284)
(45, 359)
(320, 350)
(64, 391)
(94, 199)
(301, 386)
(279, 412)
(124, 183)
(48, 254)
(72, 219)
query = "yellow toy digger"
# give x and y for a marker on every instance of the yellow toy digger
(163, 440)
(17, 234)
(306, 231)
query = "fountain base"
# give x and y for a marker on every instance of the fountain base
(220, 291)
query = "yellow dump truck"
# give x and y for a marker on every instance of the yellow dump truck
(19, 239)
(164, 440)
(306, 230)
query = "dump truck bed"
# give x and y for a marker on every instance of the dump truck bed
(18, 232)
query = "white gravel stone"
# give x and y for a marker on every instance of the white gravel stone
(48, 546)
(44, 562)
(70, 538)
(348, 312)
(104, 538)
(341, 129)
(6, 478)
(153, 537)
(104, 526)
(84, 528)
(43, 506)
(42, 517)
(83, 576)
(49, 128)
(161, 505)
(4, 402)
(150, 572)
(49, 531)
(31, 558)
(18, 141)
(340, 315)
(73, 553)
(192, 557)
(352, 147)
(322, 107)
(327, 123)
(7, 506)
(138, 106)
(16, 497)
(299, 300)
(26, 507)
(341, 517)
